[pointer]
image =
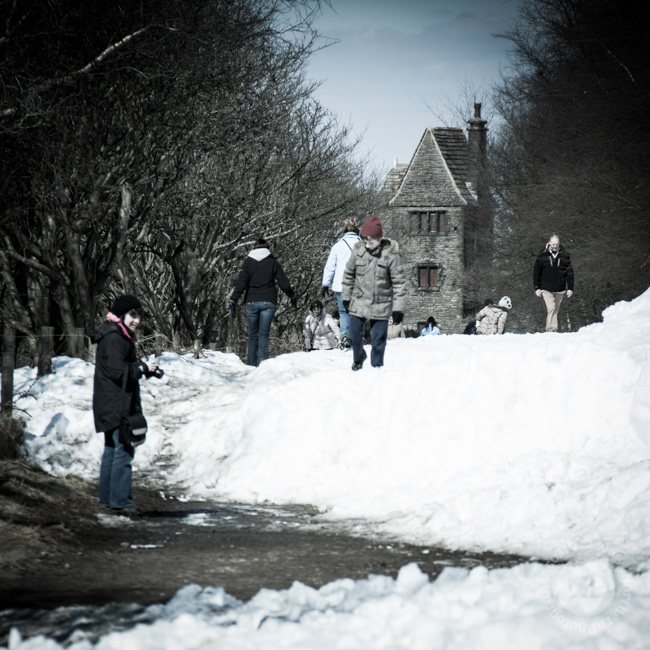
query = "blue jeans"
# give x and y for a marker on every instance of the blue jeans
(259, 316)
(379, 334)
(344, 317)
(115, 472)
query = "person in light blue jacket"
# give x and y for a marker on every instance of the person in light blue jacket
(431, 328)
(333, 274)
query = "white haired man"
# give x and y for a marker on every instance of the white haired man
(552, 279)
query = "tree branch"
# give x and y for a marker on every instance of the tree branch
(72, 76)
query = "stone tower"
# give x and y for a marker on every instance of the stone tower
(433, 208)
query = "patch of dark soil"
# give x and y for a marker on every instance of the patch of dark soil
(57, 547)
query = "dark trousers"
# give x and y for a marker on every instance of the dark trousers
(378, 333)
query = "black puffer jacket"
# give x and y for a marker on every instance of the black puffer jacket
(115, 355)
(554, 275)
(258, 276)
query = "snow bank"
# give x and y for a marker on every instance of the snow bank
(533, 444)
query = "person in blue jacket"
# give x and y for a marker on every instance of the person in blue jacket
(257, 281)
(431, 327)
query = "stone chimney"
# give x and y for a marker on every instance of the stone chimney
(476, 148)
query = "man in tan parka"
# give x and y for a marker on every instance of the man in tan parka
(374, 289)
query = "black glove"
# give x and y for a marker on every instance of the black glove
(294, 299)
(158, 372)
(398, 317)
(231, 308)
(346, 305)
(325, 292)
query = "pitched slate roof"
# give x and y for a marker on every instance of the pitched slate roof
(394, 179)
(436, 175)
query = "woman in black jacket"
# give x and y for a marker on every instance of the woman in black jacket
(115, 358)
(256, 280)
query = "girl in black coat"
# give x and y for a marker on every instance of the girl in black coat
(115, 358)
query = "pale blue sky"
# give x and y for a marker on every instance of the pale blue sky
(395, 61)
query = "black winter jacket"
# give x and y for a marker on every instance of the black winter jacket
(258, 276)
(554, 275)
(115, 355)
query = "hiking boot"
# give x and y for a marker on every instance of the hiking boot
(357, 365)
(345, 343)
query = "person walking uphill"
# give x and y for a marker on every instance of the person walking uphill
(552, 278)
(115, 358)
(374, 289)
(256, 281)
(333, 274)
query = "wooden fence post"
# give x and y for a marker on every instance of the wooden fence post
(45, 351)
(230, 335)
(8, 363)
(157, 344)
(79, 343)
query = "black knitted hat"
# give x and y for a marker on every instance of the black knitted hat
(124, 304)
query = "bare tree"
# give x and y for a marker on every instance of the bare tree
(66, 204)
(262, 157)
(147, 145)
(572, 156)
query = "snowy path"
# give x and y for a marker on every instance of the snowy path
(537, 445)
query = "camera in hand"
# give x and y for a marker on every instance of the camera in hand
(158, 373)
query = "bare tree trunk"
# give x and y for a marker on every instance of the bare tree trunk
(67, 318)
(8, 363)
(45, 351)
(79, 277)
(19, 317)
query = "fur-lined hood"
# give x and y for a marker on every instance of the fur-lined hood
(389, 245)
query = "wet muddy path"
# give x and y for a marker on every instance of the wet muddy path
(126, 564)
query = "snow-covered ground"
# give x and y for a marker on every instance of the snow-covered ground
(533, 444)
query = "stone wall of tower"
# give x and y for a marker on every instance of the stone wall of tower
(446, 249)
(447, 173)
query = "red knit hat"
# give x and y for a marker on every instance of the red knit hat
(372, 228)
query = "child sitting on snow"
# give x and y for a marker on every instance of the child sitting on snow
(431, 328)
(320, 331)
(492, 319)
